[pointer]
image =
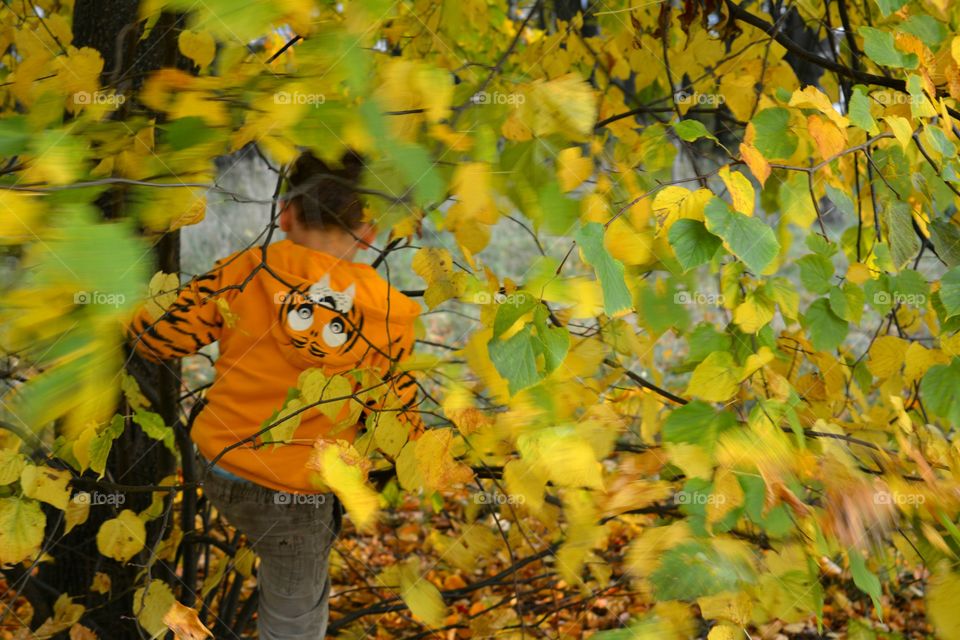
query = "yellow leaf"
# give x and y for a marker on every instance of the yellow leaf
(389, 433)
(77, 511)
(753, 313)
(150, 604)
(727, 496)
(741, 190)
(122, 537)
(46, 484)
(19, 216)
(648, 548)
(408, 471)
(229, 317)
(886, 356)
(100, 583)
(672, 203)
(285, 423)
(199, 46)
(942, 594)
(185, 623)
(21, 529)
(716, 379)
(901, 129)
(858, 273)
(918, 359)
(435, 266)
(830, 140)
(810, 97)
(564, 105)
(11, 465)
(344, 471)
(66, 614)
(729, 606)
(572, 168)
(163, 289)
(628, 244)
(438, 468)
(474, 209)
(421, 595)
(759, 165)
(725, 632)
(526, 482)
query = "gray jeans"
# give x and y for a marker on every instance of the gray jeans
(293, 535)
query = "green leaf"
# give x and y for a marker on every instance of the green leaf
(550, 342)
(14, 135)
(950, 292)
(930, 30)
(515, 359)
(191, 131)
(693, 569)
(860, 112)
(889, 6)
(938, 388)
(847, 302)
(616, 296)
(515, 307)
(946, 239)
(692, 243)
(879, 47)
(774, 138)
(904, 243)
(816, 273)
(865, 580)
(696, 422)
(691, 130)
(558, 211)
(825, 328)
(746, 237)
(153, 425)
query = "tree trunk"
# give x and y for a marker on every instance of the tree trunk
(113, 28)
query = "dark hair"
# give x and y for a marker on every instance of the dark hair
(326, 196)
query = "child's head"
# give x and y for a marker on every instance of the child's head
(324, 203)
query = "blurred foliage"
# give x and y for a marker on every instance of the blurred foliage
(738, 336)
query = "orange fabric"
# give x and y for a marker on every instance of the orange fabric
(299, 309)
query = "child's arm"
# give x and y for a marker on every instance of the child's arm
(190, 323)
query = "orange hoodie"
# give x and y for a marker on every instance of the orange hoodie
(299, 309)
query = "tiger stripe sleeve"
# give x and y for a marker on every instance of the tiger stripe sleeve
(402, 386)
(190, 323)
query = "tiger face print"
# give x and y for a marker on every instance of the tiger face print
(321, 323)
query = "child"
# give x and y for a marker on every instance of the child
(301, 303)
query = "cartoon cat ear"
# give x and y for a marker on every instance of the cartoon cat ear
(348, 294)
(324, 282)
